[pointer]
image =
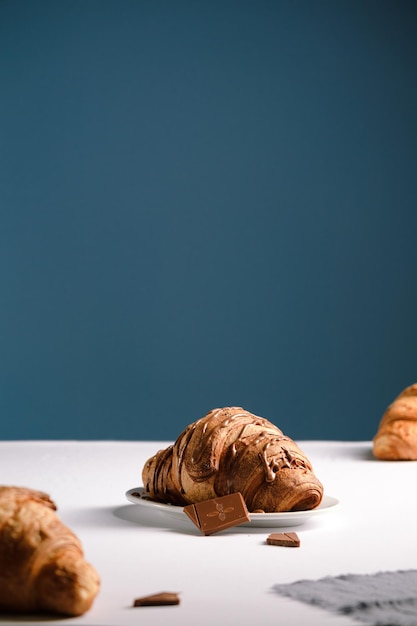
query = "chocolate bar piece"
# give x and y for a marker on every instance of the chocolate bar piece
(158, 599)
(212, 516)
(290, 540)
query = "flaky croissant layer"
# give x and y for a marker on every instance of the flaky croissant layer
(42, 566)
(396, 437)
(232, 450)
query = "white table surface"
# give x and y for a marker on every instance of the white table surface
(225, 579)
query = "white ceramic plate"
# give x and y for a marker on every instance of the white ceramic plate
(268, 520)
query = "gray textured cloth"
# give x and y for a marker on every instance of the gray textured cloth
(382, 599)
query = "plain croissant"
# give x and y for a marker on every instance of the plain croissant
(231, 450)
(396, 438)
(42, 567)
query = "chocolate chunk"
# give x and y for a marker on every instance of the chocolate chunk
(290, 540)
(158, 599)
(212, 516)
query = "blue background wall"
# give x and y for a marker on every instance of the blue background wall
(206, 204)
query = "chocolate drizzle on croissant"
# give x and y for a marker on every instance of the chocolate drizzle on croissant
(230, 450)
(396, 438)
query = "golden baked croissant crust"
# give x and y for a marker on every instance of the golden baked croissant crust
(396, 438)
(231, 450)
(42, 567)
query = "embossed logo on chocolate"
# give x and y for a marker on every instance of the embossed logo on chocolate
(217, 514)
(220, 511)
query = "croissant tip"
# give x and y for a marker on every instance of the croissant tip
(391, 447)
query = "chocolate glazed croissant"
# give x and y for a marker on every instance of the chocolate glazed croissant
(396, 438)
(231, 450)
(42, 568)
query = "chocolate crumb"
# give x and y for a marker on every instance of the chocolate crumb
(290, 540)
(164, 598)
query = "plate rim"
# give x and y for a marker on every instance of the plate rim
(328, 503)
